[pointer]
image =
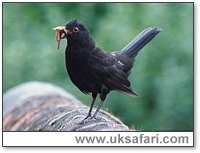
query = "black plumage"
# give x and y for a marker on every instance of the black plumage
(95, 71)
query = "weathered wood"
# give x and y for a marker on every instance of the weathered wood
(37, 106)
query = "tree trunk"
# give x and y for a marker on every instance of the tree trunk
(36, 106)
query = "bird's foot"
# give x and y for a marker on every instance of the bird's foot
(89, 117)
(86, 118)
(94, 117)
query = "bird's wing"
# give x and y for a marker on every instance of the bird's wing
(106, 70)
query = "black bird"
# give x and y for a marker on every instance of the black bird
(95, 71)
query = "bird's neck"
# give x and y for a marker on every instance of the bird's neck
(86, 42)
(76, 48)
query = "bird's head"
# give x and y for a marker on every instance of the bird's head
(74, 31)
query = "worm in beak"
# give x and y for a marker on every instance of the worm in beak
(60, 30)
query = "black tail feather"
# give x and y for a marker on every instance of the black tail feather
(132, 49)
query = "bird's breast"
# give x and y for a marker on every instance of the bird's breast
(77, 68)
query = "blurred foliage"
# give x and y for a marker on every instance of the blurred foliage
(163, 72)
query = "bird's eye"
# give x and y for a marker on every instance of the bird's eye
(75, 29)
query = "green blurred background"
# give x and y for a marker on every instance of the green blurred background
(163, 72)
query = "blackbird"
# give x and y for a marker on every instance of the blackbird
(95, 71)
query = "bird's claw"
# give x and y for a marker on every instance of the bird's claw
(94, 117)
(88, 117)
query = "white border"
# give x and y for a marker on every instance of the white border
(118, 139)
(197, 98)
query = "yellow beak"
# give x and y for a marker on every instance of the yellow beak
(59, 28)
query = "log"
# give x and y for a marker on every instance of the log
(39, 106)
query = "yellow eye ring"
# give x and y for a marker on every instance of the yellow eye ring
(75, 29)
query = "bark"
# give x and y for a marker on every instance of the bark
(37, 106)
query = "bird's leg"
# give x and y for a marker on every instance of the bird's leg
(94, 95)
(98, 108)
(104, 92)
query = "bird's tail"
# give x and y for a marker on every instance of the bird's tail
(132, 49)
